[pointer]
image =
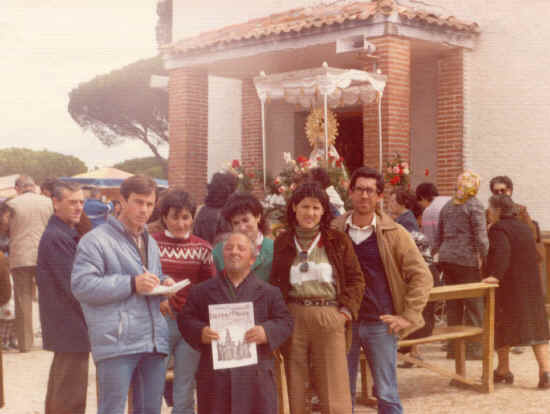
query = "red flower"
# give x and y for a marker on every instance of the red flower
(235, 164)
(427, 172)
(301, 159)
(395, 180)
(319, 159)
(338, 163)
(251, 174)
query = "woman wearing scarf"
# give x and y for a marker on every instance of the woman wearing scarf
(520, 317)
(321, 280)
(462, 244)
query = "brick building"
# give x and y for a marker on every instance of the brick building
(463, 85)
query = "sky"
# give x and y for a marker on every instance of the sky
(50, 46)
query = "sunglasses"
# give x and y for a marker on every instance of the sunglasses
(304, 266)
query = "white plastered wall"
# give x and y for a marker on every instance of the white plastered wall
(507, 96)
(224, 122)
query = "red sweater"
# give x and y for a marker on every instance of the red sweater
(189, 258)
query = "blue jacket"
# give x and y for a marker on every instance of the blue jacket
(120, 322)
(58, 306)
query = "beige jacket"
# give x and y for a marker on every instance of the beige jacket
(31, 213)
(409, 277)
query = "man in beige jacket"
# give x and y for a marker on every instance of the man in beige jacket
(31, 213)
(398, 283)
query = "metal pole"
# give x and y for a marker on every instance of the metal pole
(326, 128)
(263, 142)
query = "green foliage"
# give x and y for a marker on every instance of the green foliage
(39, 164)
(150, 166)
(121, 105)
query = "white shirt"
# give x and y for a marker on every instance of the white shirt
(359, 234)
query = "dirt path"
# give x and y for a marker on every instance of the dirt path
(26, 376)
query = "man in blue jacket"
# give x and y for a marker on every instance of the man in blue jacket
(63, 327)
(116, 268)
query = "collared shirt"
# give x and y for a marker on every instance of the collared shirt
(360, 234)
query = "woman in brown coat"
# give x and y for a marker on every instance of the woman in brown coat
(321, 280)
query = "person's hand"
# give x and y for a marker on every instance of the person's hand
(395, 323)
(208, 335)
(166, 309)
(256, 334)
(146, 282)
(169, 282)
(491, 279)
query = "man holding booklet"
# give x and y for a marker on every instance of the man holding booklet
(248, 387)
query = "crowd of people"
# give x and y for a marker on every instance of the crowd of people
(332, 283)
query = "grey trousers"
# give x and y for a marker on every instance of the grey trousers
(68, 383)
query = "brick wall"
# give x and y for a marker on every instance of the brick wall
(394, 60)
(450, 121)
(188, 120)
(252, 131)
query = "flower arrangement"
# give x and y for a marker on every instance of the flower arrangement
(246, 178)
(397, 172)
(297, 170)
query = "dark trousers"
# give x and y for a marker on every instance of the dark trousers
(463, 311)
(68, 383)
(23, 278)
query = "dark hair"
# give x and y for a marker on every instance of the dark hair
(138, 184)
(426, 191)
(503, 202)
(502, 179)
(242, 203)
(309, 189)
(406, 199)
(94, 192)
(367, 172)
(321, 176)
(221, 186)
(60, 187)
(177, 199)
(48, 184)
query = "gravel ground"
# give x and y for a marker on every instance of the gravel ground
(26, 376)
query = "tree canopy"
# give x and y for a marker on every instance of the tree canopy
(121, 105)
(150, 166)
(39, 164)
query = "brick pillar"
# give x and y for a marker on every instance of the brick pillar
(188, 126)
(394, 60)
(252, 154)
(450, 121)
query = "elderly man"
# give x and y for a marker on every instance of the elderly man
(117, 266)
(397, 286)
(68, 382)
(30, 215)
(243, 390)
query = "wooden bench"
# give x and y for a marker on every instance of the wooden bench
(459, 333)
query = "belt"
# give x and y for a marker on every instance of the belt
(313, 302)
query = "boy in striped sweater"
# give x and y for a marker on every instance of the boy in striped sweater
(183, 256)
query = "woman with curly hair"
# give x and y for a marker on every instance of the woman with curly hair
(321, 280)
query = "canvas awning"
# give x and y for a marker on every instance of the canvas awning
(324, 86)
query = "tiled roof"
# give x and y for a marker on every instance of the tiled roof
(302, 19)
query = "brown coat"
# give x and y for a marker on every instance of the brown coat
(409, 277)
(350, 283)
(5, 282)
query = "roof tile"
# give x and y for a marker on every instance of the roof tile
(302, 19)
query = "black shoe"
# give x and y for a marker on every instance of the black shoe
(544, 380)
(507, 378)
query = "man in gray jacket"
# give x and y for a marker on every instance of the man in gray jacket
(116, 268)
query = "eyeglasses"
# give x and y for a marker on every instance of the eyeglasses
(361, 190)
(304, 267)
(499, 191)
